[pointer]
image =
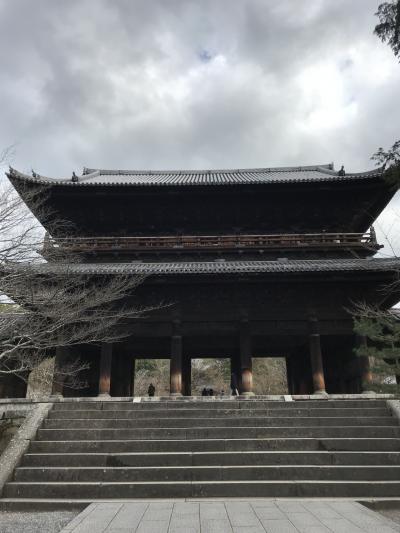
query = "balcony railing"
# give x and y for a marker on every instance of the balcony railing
(215, 242)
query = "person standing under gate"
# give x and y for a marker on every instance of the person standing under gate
(234, 384)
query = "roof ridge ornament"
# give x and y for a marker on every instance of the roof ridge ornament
(342, 171)
(74, 178)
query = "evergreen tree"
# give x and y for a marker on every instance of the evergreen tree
(389, 160)
(381, 329)
(388, 29)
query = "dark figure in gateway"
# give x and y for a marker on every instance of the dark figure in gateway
(151, 390)
(234, 385)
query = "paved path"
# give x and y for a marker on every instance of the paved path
(256, 516)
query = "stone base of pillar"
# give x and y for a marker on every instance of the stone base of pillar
(175, 394)
(320, 393)
(104, 395)
(246, 394)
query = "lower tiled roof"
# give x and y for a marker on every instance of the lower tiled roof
(229, 267)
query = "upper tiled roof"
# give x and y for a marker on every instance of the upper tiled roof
(316, 173)
(231, 267)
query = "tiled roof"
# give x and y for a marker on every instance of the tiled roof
(231, 267)
(199, 177)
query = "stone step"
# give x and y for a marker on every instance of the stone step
(219, 433)
(211, 489)
(207, 473)
(36, 505)
(214, 404)
(214, 458)
(216, 413)
(214, 448)
(215, 445)
(184, 422)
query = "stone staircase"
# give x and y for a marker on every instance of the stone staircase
(90, 450)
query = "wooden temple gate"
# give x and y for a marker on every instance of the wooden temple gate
(255, 263)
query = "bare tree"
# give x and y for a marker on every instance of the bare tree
(53, 303)
(58, 307)
(270, 375)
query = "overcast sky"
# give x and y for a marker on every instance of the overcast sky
(194, 84)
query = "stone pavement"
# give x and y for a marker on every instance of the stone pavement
(230, 516)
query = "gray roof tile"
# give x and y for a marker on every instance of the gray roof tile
(231, 267)
(200, 177)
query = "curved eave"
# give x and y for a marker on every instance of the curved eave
(258, 176)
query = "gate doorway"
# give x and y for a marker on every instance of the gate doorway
(270, 375)
(211, 373)
(155, 371)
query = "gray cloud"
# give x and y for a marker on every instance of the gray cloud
(191, 84)
(183, 83)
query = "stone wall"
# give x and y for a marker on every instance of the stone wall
(22, 418)
(40, 381)
(11, 418)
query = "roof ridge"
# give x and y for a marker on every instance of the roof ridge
(144, 172)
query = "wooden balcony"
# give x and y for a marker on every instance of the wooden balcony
(320, 241)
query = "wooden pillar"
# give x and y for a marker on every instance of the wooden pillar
(317, 367)
(133, 377)
(176, 361)
(187, 376)
(246, 367)
(364, 365)
(105, 369)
